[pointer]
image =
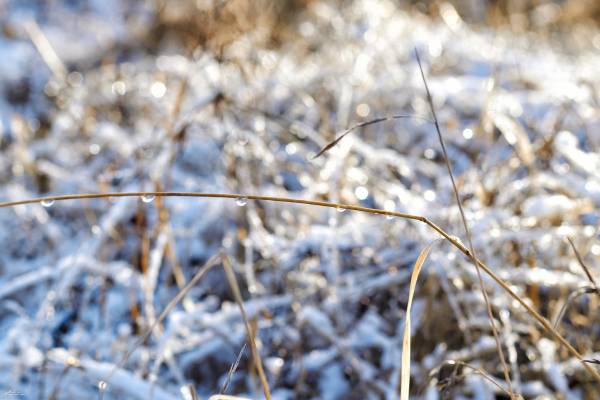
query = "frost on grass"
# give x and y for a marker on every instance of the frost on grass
(213, 96)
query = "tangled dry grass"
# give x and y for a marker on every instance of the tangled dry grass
(151, 107)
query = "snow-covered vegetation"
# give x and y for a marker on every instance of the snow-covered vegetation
(179, 297)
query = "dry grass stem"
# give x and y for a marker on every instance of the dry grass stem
(585, 268)
(405, 367)
(333, 143)
(450, 238)
(467, 231)
(249, 331)
(180, 295)
(232, 370)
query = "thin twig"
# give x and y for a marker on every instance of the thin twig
(579, 292)
(188, 392)
(582, 264)
(207, 266)
(332, 144)
(42, 44)
(477, 370)
(232, 370)
(467, 231)
(570, 299)
(450, 238)
(207, 195)
(238, 299)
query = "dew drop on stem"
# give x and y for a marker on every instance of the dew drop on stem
(147, 198)
(47, 202)
(241, 201)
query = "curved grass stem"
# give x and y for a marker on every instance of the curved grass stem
(547, 326)
(488, 305)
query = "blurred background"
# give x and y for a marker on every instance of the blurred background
(101, 96)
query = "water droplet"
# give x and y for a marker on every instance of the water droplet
(158, 89)
(102, 385)
(429, 195)
(363, 110)
(291, 148)
(47, 202)
(94, 149)
(72, 361)
(119, 87)
(241, 201)
(361, 193)
(390, 216)
(147, 198)
(457, 239)
(340, 209)
(274, 364)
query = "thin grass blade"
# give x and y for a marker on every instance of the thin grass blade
(582, 264)
(467, 230)
(251, 339)
(405, 367)
(333, 143)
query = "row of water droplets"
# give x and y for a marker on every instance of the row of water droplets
(240, 202)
